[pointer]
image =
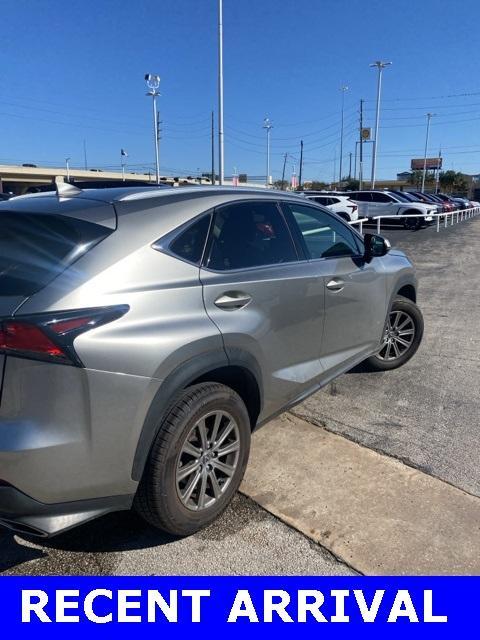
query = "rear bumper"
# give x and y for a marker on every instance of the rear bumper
(23, 514)
(69, 434)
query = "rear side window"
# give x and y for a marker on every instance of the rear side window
(250, 234)
(189, 244)
(35, 248)
(321, 200)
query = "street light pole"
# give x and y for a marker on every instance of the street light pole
(67, 163)
(429, 117)
(380, 66)
(221, 170)
(342, 89)
(153, 83)
(268, 126)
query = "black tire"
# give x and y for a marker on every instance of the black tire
(344, 216)
(407, 308)
(413, 224)
(157, 499)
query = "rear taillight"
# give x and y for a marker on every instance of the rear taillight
(50, 336)
(21, 337)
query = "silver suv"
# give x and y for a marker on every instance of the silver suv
(145, 334)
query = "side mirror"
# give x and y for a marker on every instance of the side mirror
(375, 246)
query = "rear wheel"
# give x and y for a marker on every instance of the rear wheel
(402, 336)
(197, 460)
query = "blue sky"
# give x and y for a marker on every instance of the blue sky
(74, 71)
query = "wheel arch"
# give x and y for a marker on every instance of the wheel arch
(408, 291)
(239, 371)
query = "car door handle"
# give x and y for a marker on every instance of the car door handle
(335, 285)
(232, 300)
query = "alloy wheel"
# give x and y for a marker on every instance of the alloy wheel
(398, 337)
(208, 460)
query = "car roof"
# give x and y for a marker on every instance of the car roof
(125, 194)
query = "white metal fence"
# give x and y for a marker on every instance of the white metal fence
(449, 218)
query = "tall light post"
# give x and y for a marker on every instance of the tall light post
(380, 66)
(153, 83)
(429, 117)
(268, 126)
(343, 89)
(67, 164)
(221, 169)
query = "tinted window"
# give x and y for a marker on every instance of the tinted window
(361, 196)
(190, 243)
(324, 236)
(249, 234)
(35, 248)
(381, 197)
(321, 200)
(400, 197)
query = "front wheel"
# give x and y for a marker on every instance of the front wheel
(197, 460)
(402, 336)
(412, 224)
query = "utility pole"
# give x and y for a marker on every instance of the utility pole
(67, 163)
(221, 171)
(342, 89)
(429, 117)
(437, 179)
(350, 167)
(301, 165)
(283, 171)
(85, 154)
(268, 126)
(380, 66)
(334, 166)
(213, 149)
(355, 161)
(360, 170)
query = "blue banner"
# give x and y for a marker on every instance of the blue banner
(238, 606)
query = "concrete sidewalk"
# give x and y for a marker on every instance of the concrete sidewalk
(370, 510)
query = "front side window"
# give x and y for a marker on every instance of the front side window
(249, 234)
(324, 237)
(381, 197)
(362, 196)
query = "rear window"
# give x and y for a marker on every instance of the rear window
(35, 248)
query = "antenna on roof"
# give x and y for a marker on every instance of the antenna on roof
(64, 189)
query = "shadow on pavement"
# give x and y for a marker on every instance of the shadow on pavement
(13, 554)
(123, 531)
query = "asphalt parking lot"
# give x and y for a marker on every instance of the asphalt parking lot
(426, 413)
(422, 422)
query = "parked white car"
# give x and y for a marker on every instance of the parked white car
(386, 203)
(339, 204)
